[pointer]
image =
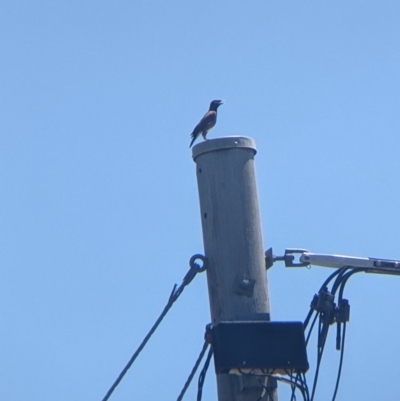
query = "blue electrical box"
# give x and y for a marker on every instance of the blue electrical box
(259, 347)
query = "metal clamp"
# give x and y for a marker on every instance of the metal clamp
(195, 268)
(194, 265)
(288, 258)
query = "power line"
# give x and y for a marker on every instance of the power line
(193, 372)
(340, 362)
(194, 269)
(203, 372)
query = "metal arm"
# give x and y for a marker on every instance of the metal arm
(371, 265)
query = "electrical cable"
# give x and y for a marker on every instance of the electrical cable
(263, 392)
(203, 372)
(193, 372)
(301, 377)
(342, 277)
(303, 391)
(344, 281)
(266, 390)
(308, 317)
(328, 316)
(312, 326)
(340, 362)
(341, 285)
(194, 269)
(321, 346)
(322, 288)
(293, 395)
(306, 321)
(332, 276)
(339, 278)
(303, 382)
(325, 316)
(324, 321)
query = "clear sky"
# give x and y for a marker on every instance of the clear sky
(99, 208)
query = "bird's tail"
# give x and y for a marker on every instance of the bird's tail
(194, 136)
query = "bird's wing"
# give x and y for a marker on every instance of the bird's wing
(206, 123)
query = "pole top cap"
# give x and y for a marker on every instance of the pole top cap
(227, 142)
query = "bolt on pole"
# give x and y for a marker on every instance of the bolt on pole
(233, 245)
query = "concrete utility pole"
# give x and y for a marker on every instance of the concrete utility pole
(233, 244)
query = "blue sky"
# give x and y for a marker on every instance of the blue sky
(99, 209)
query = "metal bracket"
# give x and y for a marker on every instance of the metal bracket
(288, 258)
(306, 258)
(194, 265)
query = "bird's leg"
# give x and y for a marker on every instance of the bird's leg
(204, 134)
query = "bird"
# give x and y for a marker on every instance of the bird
(207, 122)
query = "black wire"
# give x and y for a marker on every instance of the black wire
(344, 281)
(324, 322)
(263, 392)
(340, 283)
(311, 328)
(301, 377)
(344, 277)
(303, 391)
(340, 362)
(202, 376)
(340, 298)
(321, 346)
(323, 328)
(193, 372)
(339, 278)
(172, 298)
(343, 335)
(332, 276)
(286, 381)
(266, 390)
(325, 318)
(307, 319)
(293, 396)
(323, 287)
(303, 382)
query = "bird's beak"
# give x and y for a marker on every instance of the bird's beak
(222, 102)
